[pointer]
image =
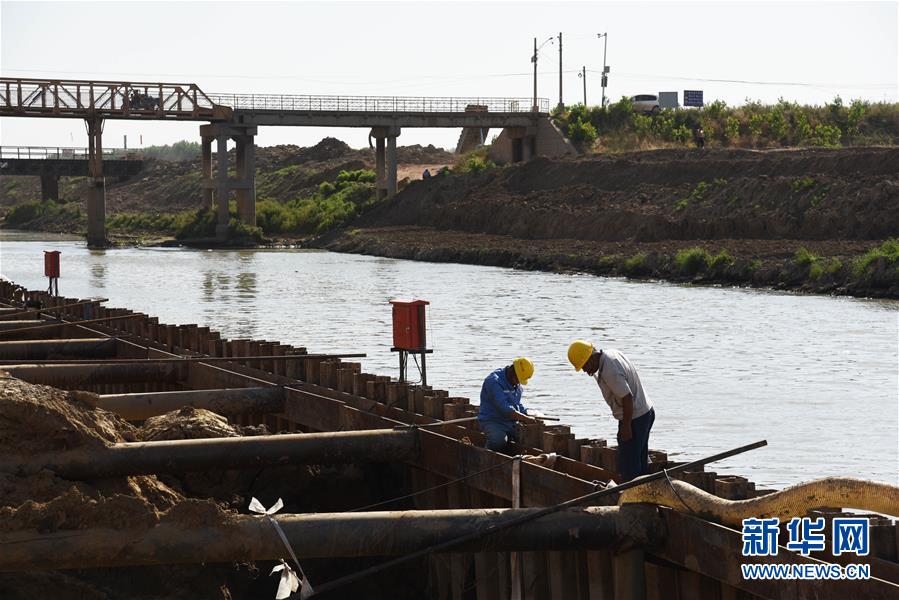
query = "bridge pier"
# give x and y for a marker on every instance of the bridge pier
(50, 187)
(96, 193)
(244, 181)
(385, 160)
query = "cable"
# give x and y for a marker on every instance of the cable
(746, 81)
(525, 518)
(676, 493)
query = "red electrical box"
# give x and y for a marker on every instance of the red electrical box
(409, 324)
(51, 263)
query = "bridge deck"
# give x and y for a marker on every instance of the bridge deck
(185, 101)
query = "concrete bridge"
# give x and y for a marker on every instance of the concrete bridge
(51, 163)
(526, 128)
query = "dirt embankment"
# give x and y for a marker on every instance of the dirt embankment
(631, 214)
(36, 419)
(283, 172)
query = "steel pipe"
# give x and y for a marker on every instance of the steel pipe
(327, 535)
(176, 456)
(72, 376)
(227, 402)
(42, 349)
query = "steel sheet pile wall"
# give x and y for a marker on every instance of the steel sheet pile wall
(698, 560)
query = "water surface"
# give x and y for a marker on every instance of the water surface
(815, 376)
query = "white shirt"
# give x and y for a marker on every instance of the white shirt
(617, 378)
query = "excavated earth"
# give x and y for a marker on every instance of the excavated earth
(594, 213)
(38, 418)
(171, 186)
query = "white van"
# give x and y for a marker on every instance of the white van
(646, 103)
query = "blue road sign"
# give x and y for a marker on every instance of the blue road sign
(692, 97)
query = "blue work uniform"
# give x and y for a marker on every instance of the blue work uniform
(499, 399)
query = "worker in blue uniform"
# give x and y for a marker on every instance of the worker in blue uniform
(501, 407)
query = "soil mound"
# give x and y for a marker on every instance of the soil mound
(186, 424)
(666, 195)
(42, 418)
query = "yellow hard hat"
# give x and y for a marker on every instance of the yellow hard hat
(578, 353)
(524, 369)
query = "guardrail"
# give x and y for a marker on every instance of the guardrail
(392, 104)
(61, 153)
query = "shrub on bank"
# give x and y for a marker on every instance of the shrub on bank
(694, 261)
(752, 125)
(46, 215)
(879, 265)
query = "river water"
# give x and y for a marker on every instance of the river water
(815, 376)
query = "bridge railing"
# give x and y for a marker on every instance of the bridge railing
(388, 104)
(103, 98)
(62, 153)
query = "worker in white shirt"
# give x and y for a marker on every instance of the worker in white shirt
(621, 388)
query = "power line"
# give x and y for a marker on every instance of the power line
(744, 81)
(422, 78)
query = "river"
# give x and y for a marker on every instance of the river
(815, 376)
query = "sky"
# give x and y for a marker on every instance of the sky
(806, 52)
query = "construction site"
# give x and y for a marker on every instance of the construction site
(299, 316)
(144, 460)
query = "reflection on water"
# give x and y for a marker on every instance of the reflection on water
(816, 376)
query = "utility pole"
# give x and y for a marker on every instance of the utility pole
(605, 69)
(561, 104)
(534, 60)
(584, 75)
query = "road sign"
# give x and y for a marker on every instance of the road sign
(668, 100)
(692, 97)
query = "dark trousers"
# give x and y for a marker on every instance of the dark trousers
(633, 455)
(499, 434)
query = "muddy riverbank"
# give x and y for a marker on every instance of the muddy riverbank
(812, 220)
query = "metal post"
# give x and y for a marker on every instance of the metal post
(561, 104)
(534, 60)
(584, 74)
(605, 45)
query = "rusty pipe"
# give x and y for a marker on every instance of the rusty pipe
(176, 456)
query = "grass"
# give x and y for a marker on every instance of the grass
(58, 215)
(696, 260)
(887, 252)
(696, 195)
(804, 258)
(636, 265)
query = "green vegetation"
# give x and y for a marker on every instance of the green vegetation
(804, 258)
(63, 216)
(474, 164)
(801, 184)
(752, 125)
(817, 266)
(697, 194)
(884, 257)
(693, 261)
(182, 150)
(474, 161)
(332, 205)
(579, 129)
(825, 266)
(636, 265)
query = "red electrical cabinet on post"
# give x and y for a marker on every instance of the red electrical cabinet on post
(409, 324)
(51, 263)
(409, 335)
